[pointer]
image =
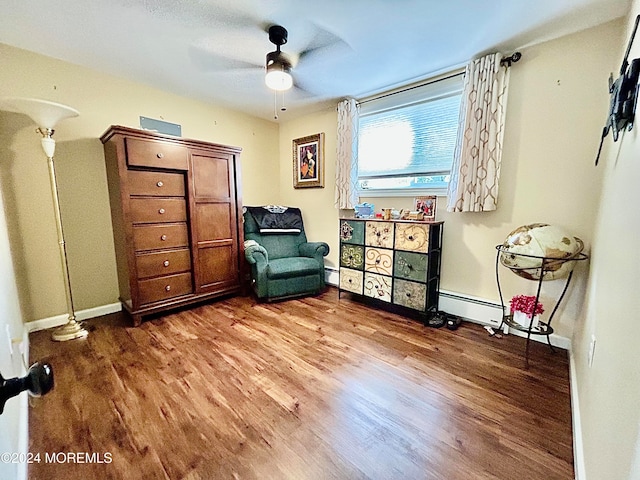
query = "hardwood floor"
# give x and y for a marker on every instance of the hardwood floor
(316, 388)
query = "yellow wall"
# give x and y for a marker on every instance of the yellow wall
(317, 204)
(554, 116)
(102, 101)
(608, 397)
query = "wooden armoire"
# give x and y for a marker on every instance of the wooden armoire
(176, 211)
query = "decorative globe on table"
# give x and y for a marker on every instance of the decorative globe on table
(529, 248)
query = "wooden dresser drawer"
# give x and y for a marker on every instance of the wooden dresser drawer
(162, 288)
(158, 210)
(412, 237)
(157, 184)
(163, 263)
(157, 154)
(154, 237)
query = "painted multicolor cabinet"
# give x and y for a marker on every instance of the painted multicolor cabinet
(396, 262)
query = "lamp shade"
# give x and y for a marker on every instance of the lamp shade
(45, 114)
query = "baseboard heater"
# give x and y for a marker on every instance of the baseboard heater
(470, 308)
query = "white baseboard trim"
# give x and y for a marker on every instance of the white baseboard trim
(576, 423)
(59, 320)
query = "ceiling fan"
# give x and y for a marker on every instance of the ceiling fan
(315, 48)
(278, 65)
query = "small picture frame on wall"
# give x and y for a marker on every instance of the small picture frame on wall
(426, 205)
(308, 161)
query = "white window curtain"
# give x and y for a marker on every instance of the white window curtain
(473, 186)
(347, 159)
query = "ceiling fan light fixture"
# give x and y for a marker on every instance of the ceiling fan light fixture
(278, 75)
(279, 81)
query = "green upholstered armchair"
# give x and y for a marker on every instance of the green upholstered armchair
(283, 263)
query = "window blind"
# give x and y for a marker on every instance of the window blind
(409, 136)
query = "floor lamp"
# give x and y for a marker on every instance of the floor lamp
(46, 115)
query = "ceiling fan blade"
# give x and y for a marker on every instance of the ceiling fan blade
(302, 89)
(323, 42)
(207, 61)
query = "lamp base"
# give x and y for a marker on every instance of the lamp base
(70, 331)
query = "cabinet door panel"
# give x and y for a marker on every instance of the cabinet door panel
(217, 266)
(211, 176)
(213, 222)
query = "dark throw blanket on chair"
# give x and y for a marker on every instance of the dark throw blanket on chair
(276, 219)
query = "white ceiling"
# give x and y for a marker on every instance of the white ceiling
(214, 50)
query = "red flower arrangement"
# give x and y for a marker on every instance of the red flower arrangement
(525, 304)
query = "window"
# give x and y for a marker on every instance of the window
(406, 139)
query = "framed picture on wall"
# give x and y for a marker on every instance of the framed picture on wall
(426, 205)
(308, 161)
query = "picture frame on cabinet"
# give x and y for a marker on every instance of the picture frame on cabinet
(308, 161)
(426, 205)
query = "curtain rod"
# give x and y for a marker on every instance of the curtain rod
(513, 58)
(506, 61)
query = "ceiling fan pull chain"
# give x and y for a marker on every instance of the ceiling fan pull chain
(275, 105)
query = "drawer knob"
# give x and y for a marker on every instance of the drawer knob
(349, 280)
(163, 238)
(410, 237)
(165, 263)
(160, 184)
(160, 155)
(410, 267)
(408, 294)
(168, 288)
(161, 211)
